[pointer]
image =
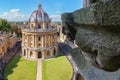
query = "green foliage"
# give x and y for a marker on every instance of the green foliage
(56, 69)
(4, 25)
(14, 29)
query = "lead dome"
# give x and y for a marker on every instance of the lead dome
(39, 15)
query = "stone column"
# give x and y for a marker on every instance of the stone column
(49, 40)
(43, 55)
(42, 41)
(43, 26)
(36, 41)
(23, 40)
(45, 40)
(86, 3)
(27, 40)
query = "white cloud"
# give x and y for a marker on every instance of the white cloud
(14, 15)
(58, 12)
(55, 17)
(15, 10)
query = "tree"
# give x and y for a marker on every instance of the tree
(4, 25)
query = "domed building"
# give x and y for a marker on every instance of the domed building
(39, 38)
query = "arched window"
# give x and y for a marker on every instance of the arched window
(39, 45)
(39, 38)
(39, 26)
(31, 25)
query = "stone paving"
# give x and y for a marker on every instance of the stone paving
(39, 70)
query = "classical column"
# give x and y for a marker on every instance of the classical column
(49, 39)
(42, 40)
(45, 40)
(27, 41)
(43, 55)
(34, 41)
(43, 25)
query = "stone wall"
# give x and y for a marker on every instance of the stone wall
(96, 31)
(89, 72)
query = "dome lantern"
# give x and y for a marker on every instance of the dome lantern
(39, 5)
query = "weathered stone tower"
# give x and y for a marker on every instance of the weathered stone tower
(39, 39)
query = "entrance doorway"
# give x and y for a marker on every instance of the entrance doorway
(24, 52)
(39, 55)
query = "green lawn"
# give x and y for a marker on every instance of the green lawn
(20, 69)
(56, 69)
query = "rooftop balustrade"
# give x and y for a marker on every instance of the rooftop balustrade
(39, 30)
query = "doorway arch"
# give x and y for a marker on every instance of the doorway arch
(24, 52)
(39, 55)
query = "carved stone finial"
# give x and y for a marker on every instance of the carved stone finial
(39, 5)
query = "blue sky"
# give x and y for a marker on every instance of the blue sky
(20, 10)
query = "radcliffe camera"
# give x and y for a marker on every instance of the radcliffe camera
(60, 40)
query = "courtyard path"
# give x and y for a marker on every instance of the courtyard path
(39, 70)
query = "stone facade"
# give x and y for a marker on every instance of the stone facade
(7, 41)
(88, 3)
(95, 29)
(39, 38)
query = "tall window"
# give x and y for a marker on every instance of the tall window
(48, 54)
(39, 26)
(31, 25)
(39, 38)
(39, 45)
(47, 26)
